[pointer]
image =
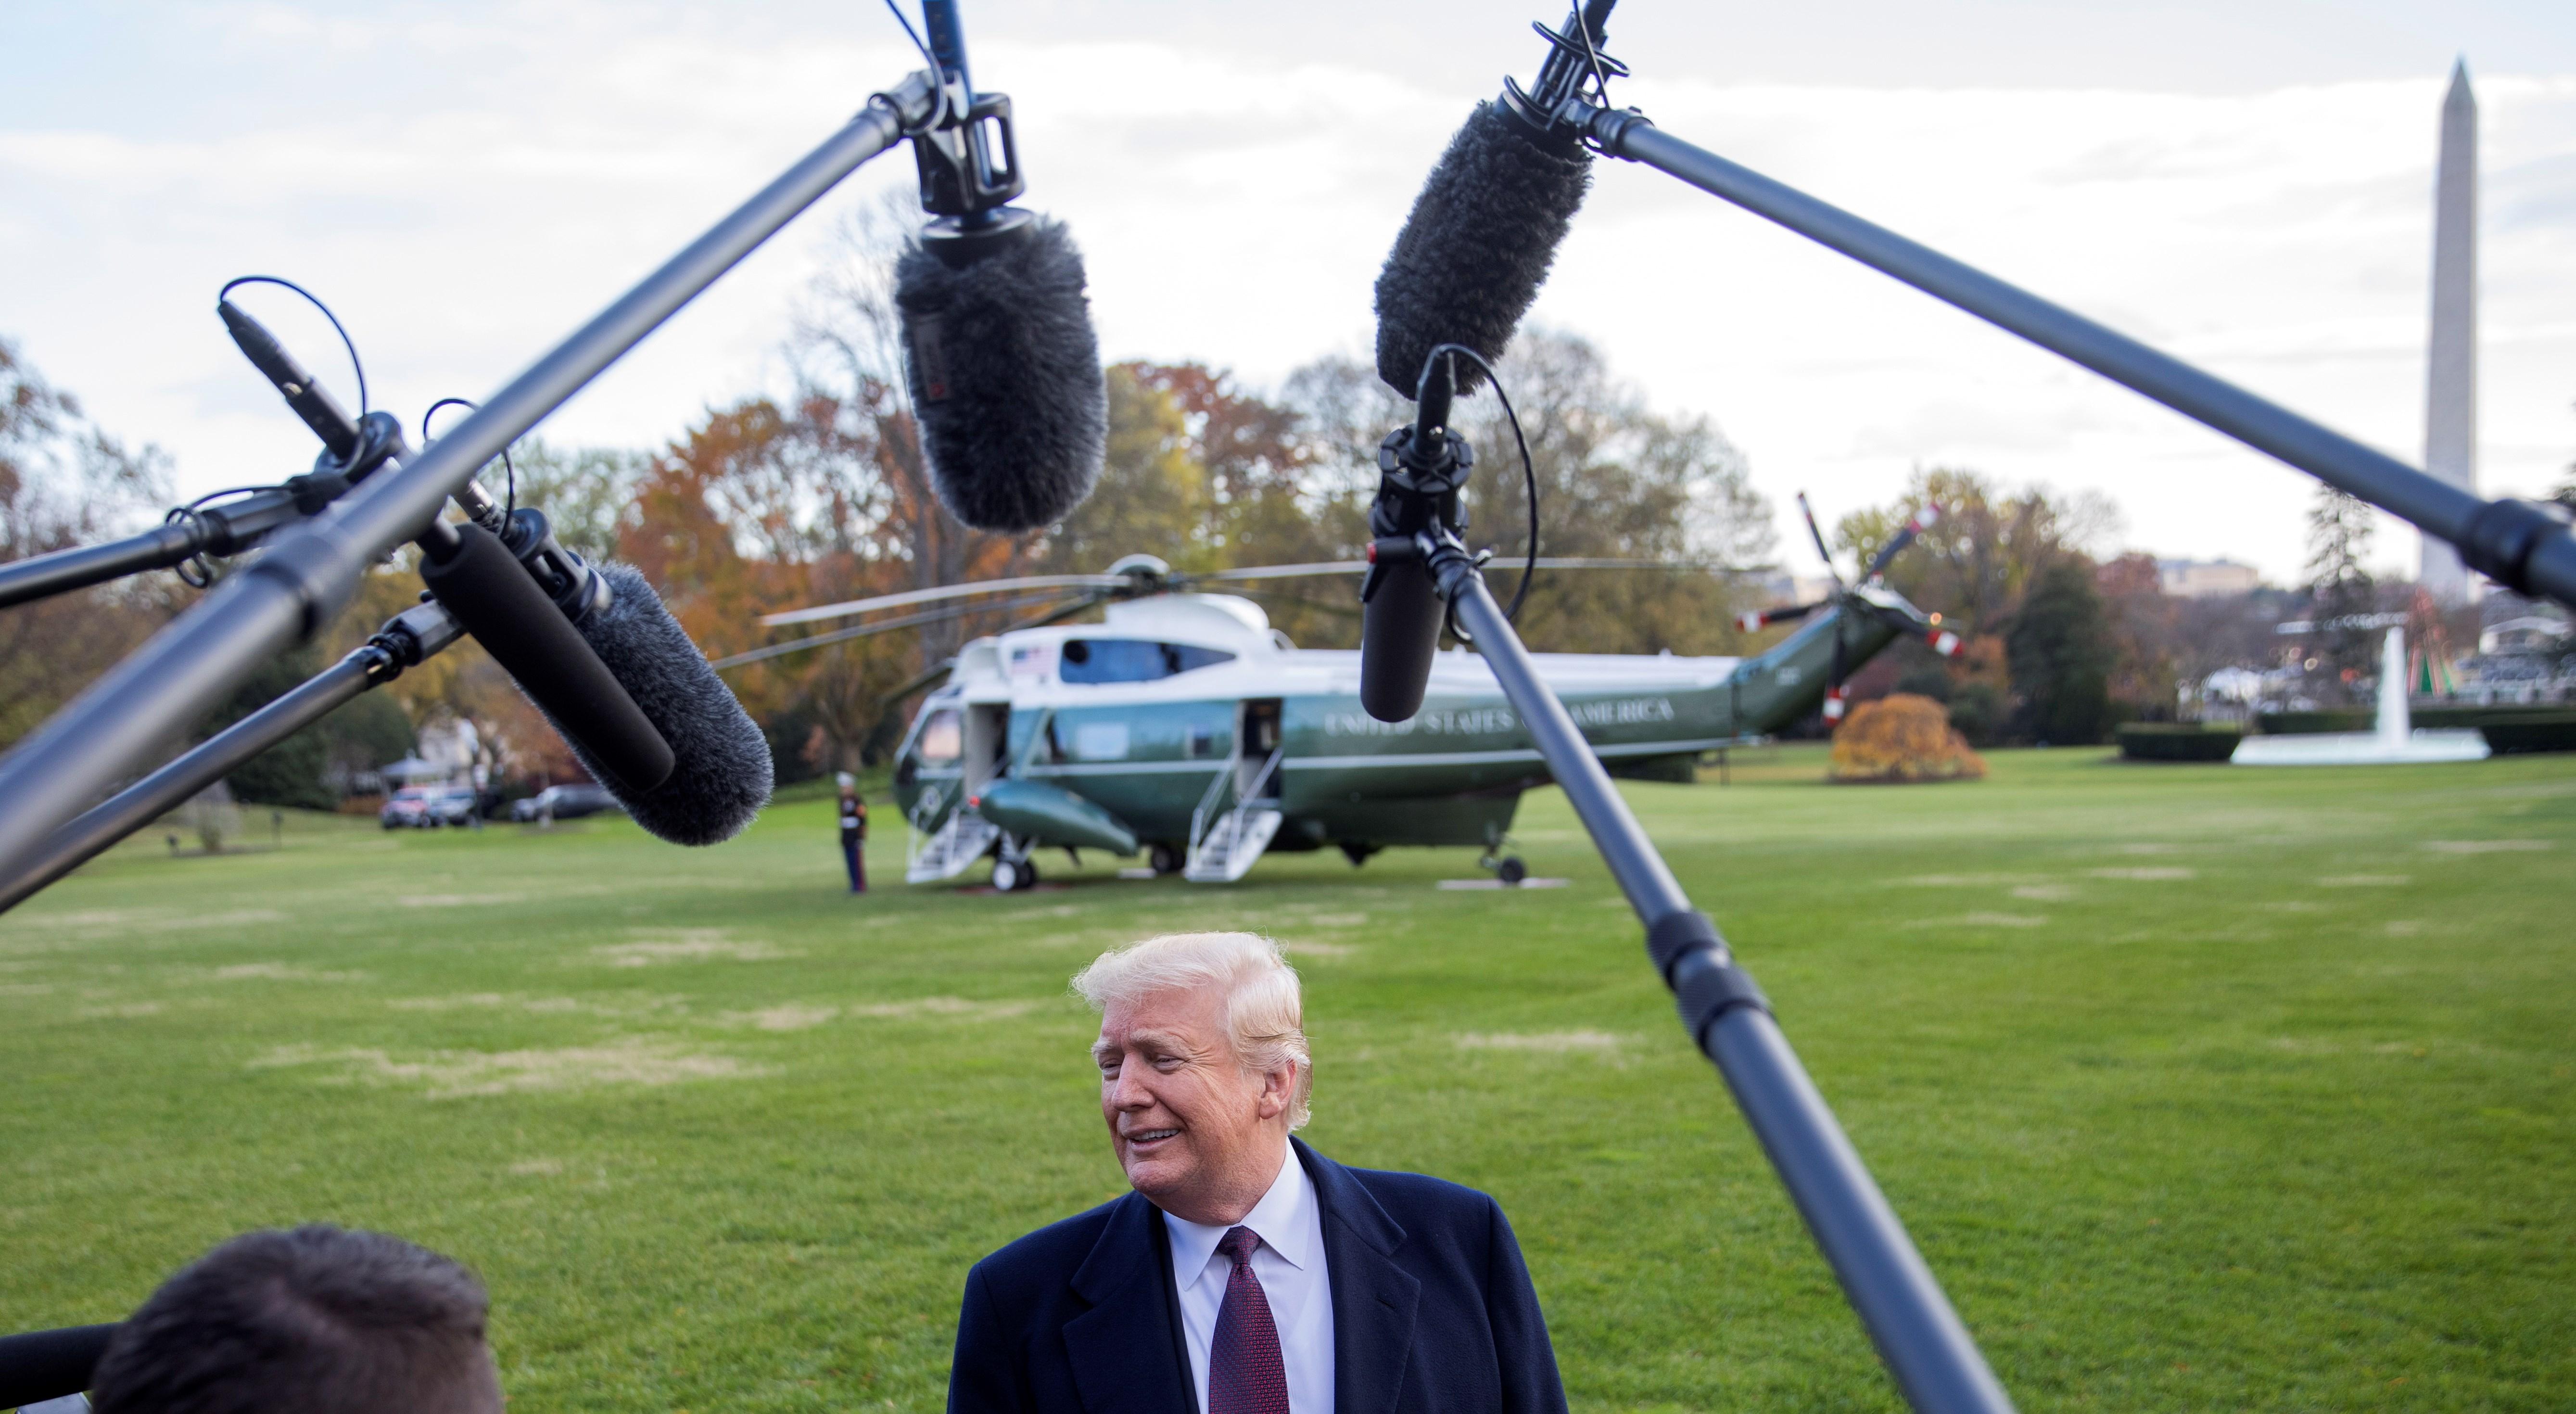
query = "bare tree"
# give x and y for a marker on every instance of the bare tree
(64, 482)
(1615, 479)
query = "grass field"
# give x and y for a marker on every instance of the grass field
(2201, 1088)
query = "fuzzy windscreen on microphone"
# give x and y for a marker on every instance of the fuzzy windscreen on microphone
(1476, 248)
(721, 774)
(1005, 376)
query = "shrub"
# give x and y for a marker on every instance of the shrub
(2364, 719)
(2177, 741)
(2497, 715)
(2309, 723)
(2531, 732)
(1900, 739)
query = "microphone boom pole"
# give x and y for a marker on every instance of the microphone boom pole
(227, 528)
(2515, 543)
(407, 641)
(312, 571)
(1918, 1334)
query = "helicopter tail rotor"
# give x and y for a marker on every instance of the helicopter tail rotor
(1866, 596)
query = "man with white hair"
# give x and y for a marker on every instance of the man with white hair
(1246, 1273)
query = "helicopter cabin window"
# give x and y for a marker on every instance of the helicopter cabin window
(942, 739)
(1098, 660)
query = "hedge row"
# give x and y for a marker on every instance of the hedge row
(2177, 741)
(2551, 732)
(2362, 719)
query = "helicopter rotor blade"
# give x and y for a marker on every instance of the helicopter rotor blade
(1561, 562)
(916, 682)
(909, 597)
(1759, 619)
(1350, 609)
(1319, 567)
(1816, 534)
(1922, 520)
(931, 616)
(931, 674)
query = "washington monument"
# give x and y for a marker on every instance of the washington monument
(2451, 378)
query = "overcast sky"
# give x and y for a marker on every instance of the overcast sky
(2246, 184)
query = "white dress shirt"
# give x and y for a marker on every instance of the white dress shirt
(1290, 1266)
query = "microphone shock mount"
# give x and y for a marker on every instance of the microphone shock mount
(1574, 80)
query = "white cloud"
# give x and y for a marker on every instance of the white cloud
(518, 169)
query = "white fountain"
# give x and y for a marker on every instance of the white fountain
(2394, 743)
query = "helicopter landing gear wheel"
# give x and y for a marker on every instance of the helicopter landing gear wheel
(1511, 871)
(1165, 859)
(1012, 875)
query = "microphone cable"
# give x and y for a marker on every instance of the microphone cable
(938, 78)
(510, 502)
(1529, 476)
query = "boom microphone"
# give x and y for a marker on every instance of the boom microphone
(598, 654)
(1004, 371)
(1485, 229)
(999, 354)
(1420, 469)
(721, 772)
(319, 409)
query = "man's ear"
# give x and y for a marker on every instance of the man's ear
(1278, 1090)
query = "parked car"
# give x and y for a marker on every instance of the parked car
(562, 803)
(427, 808)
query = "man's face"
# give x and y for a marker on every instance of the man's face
(1196, 1133)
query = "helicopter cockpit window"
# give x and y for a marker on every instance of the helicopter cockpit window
(942, 739)
(1133, 659)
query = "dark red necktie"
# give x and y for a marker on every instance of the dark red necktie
(1245, 1373)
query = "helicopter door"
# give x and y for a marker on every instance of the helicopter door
(1257, 737)
(988, 734)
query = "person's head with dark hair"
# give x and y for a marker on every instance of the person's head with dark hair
(320, 1320)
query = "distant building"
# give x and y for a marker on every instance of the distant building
(451, 753)
(2532, 634)
(1783, 587)
(2205, 579)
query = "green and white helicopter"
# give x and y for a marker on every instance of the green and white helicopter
(1185, 727)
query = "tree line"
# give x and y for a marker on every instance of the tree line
(821, 493)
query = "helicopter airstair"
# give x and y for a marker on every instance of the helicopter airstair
(964, 838)
(1234, 823)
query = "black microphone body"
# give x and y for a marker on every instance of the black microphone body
(500, 603)
(319, 409)
(999, 353)
(1465, 268)
(1420, 471)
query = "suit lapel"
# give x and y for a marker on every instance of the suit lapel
(1125, 1350)
(1373, 1298)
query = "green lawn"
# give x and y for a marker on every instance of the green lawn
(2201, 1088)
